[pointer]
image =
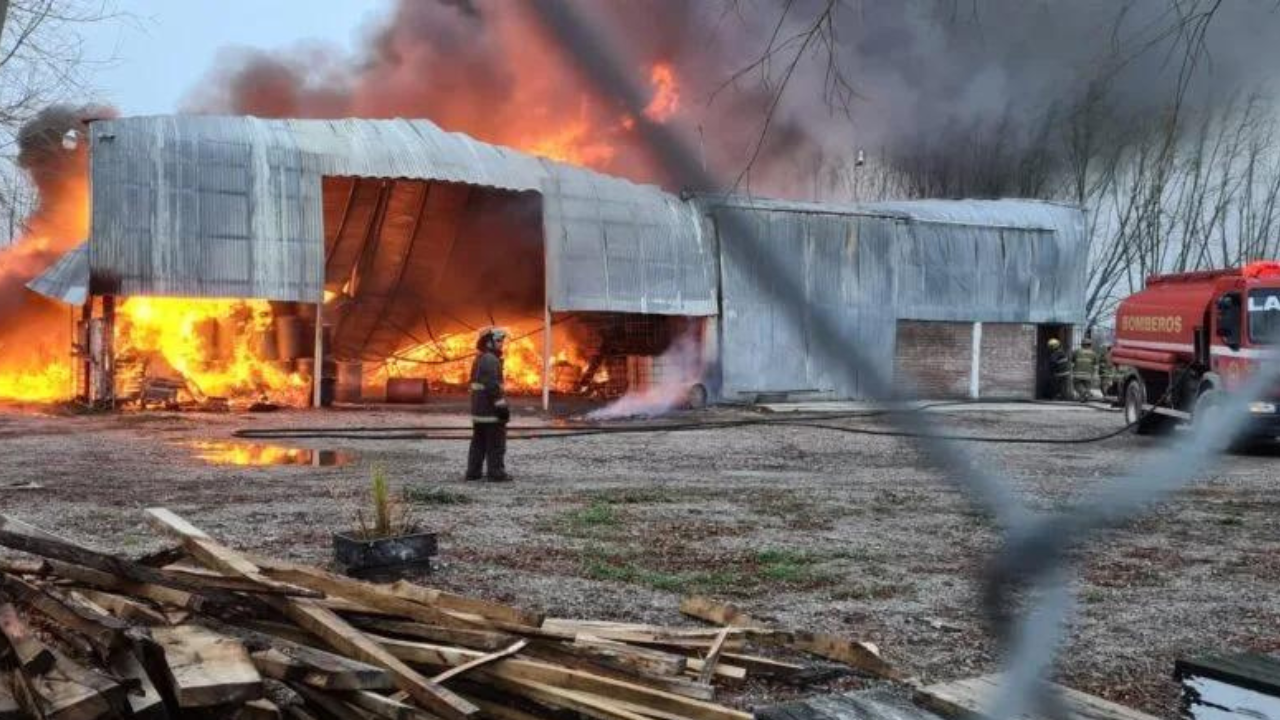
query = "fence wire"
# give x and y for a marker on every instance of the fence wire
(1033, 564)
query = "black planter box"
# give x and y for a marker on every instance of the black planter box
(383, 556)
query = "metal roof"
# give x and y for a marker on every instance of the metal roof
(67, 280)
(232, 206)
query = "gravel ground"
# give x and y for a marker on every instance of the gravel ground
(815, 529)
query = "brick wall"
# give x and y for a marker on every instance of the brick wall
(936, 356)
(1008, 367)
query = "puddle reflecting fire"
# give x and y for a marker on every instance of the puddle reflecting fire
(217, 452)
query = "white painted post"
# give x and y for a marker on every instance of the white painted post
(975, 366)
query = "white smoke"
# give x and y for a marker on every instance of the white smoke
(681, 368)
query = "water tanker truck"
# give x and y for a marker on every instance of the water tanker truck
(1188, 337)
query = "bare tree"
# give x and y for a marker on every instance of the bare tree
(41, 62)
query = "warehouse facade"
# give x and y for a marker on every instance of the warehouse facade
(404, 219)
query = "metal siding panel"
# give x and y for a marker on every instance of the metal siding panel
(235, 208)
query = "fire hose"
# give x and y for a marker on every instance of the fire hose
(819, 421)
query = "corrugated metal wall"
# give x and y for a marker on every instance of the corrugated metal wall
(867, 267)
(232, 207)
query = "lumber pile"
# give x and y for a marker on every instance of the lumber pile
(204, 630)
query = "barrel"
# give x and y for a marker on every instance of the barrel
(291, 337)
(228, 331)
(350, 377)
(408, 391)
(263, 345)
(206, 332)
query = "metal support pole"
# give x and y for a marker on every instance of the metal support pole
(318, 372)
(108, 398)
(83, 343)
(546, 358)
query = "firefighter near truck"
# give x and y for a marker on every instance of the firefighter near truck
(1188, 338)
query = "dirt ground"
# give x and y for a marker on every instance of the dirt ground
(816, 529)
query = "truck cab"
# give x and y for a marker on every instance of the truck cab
(1186, 338)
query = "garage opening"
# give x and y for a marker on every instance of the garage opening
(414, 269)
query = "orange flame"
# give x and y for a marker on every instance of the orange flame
(446, 363)
(666, 93)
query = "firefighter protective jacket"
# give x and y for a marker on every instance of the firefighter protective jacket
(486, 388)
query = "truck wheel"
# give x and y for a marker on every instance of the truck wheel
(1135, 396)
(1208, 411)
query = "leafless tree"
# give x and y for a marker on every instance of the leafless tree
(41, 61)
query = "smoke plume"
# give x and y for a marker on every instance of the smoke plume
(34, 329)
(952, 98)
(670, 378)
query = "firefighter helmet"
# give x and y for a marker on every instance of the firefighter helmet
(490, 337)
(1054, 343)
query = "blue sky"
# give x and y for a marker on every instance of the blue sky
(165, 47)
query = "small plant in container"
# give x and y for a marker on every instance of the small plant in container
(386, 540)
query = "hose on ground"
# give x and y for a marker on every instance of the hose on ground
(819, 421)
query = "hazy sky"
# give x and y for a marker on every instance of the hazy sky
(163, 50)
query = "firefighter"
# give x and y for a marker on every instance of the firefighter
(1084, 370)
(489, 410)
(1060, 369)
(1106, 372)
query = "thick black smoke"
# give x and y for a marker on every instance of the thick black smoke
(956, 97)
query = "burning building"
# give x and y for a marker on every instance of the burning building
(236, 257)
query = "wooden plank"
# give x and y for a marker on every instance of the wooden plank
(20, 536)
(260, 709)
(481, 661)
(70, 692)
(122, 607)
(539, 672)
(325, 669)
(648, 660)
(469, 605)
(717, 613)
(145, 702)
(569, 628)
(205, 668)
(709, 663)
(585, 659)
(9, 707)
(384, 707)
(371, 595)
(316, 619)
(200, 545)
(103, 631)
(560, 698)
(969, 697)
(474, 639)
(762, 666)
(31, 654)
(332, 706)
(860, 655)
(500, 710)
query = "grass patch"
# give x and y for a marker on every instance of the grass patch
(633, 496)
(1092, 596)
(432, 495)
(598, 565)
(596, 515)
(594, 520)
(791, 567)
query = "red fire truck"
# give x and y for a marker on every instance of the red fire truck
(1187, 337)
